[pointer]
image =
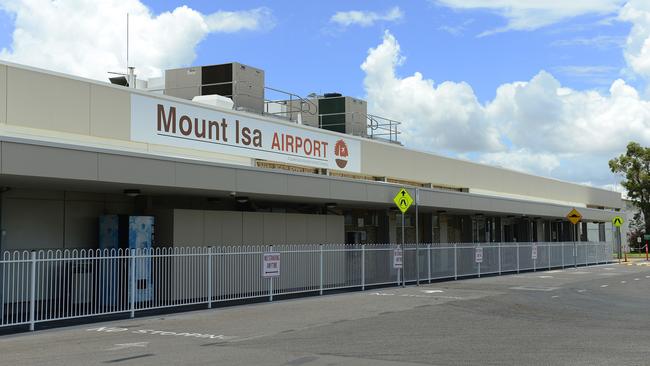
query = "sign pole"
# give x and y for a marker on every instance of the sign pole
(403, 201)
(575, 246)
(620, 244)
(403, 248)
(417, 238)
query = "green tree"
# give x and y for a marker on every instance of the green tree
(635, 230)
(634, 166)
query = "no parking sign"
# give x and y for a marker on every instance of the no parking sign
(271, 264)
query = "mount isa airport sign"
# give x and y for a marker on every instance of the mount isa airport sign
(171, 123)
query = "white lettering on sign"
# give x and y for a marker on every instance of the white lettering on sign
(534, 252)
(164, 122)
(271, 264)
(397, 258)
(478, 255)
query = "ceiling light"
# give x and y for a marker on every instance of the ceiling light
(132, 192)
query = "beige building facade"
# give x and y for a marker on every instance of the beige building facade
(73, 149)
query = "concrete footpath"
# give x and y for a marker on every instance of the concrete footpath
(585, 316)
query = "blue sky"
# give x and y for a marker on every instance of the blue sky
(554, 88)
(305, 52)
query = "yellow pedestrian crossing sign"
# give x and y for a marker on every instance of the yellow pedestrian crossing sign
(574, 216)
(403, 200)
(617, 221)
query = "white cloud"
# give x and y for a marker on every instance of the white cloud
(600, 42)
(366, 18)
(536, 126)
(88, 38)
(534, 14)
(446, 116)
(595, 73)
(637, 49)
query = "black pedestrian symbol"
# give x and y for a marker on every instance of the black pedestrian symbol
(402, 201)
(618, 221)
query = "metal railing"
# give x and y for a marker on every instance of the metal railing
(367, 125)
(41, 286)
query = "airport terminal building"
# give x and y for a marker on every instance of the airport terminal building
(215, 161)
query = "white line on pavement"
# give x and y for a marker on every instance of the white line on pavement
(120, 346)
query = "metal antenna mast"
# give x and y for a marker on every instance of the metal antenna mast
(127, 42)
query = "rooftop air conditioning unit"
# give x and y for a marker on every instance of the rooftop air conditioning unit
(214, 100)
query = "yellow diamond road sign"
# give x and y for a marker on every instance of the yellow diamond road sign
(403, 200)
(574, 216)
(617, 221)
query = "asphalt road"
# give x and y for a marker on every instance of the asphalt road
(589, 316)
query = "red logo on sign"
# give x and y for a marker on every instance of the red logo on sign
(341, 152)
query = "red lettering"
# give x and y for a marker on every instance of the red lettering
(289, 139)
(317, 148)
(308, 146)
(276, 143)
(164, 122)
(298, 143)
(188, 130)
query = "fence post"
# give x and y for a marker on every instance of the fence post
(417, 263)
(321, 269)
(549, 255)
(517, 243)
(499, 258)
(132, 281)
(455, 261)
(534, 260)
(363, 267)
(271, 279)
(32, 291)
(209, 277)
(563, 264)
(429, 262)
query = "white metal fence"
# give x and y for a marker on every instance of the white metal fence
(42, 286)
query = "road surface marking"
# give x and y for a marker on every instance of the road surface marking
(432, 291)
(582, 290)
(623, 281)
(544, 276)
(637, 279)
(160, 332)
(120, 346)
(604, 285)
(529, 288)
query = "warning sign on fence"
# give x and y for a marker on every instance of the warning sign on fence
(271, 264)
